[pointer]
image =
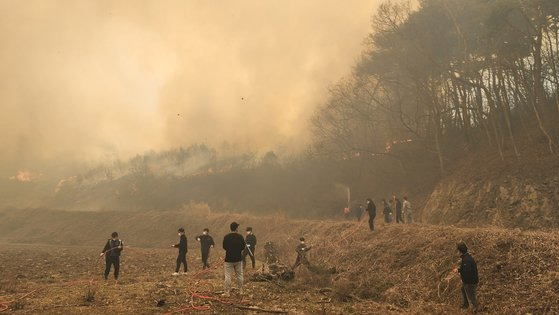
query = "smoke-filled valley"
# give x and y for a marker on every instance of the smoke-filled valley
(309, 121)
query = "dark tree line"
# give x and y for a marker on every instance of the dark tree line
(449, 75)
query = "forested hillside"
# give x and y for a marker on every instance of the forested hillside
(450, 103)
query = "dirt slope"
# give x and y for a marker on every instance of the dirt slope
(404, 267)
(483, 190)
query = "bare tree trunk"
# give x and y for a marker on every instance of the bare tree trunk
(520, 103)
(494, 123)
(539, 102)
(436, 121)
(505, 107)
(479, 106)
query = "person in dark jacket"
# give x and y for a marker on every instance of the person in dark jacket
(183, 249)
(469, 276)
(398, 203)
(233, 244)
(112, 251)
(302, 250)
(358, 211)
(206, 242)
(386, 211)
(250, 249)
(372, 210)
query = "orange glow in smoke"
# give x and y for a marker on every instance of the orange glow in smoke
(24, 176)
(388, 146)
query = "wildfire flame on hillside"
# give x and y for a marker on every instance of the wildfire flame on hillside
(388, 146)
(25, 176)
(62, 182)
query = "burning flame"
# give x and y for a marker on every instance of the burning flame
(62, 182)
(388, 146)
(25, 176)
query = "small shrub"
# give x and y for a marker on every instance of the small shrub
(90, 294)
(17, 305)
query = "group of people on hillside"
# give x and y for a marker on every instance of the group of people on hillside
(402, 210)
(236, 247)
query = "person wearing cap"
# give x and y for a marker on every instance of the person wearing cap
(250, 250)
(469, 276)
(206, 242)
(301, 250)
(112, 251)
(233, 244)
(183, 249)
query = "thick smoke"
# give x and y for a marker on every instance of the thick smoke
(94, 80)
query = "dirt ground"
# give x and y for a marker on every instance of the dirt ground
(68, 280)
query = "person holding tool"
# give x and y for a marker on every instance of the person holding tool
(250, 249)
(183, 249)
(470, 278)
(206, 242)
(112, 251)
(302, 250)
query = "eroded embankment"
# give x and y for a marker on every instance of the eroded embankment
(516, 193)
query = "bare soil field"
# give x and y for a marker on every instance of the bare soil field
(68, 280)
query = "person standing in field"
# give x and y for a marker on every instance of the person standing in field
(206, 242)
(398, 203)
(112, 251)
(408, 214)
(392, 204)
(233, 244)
(250, 249)
(386, 211)
(358, 211)
(302, 250)
(183, 249)
(469, 276)
(372, 210)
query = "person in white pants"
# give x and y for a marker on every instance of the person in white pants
(233, 244)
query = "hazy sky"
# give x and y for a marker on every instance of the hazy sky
(87, 80)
